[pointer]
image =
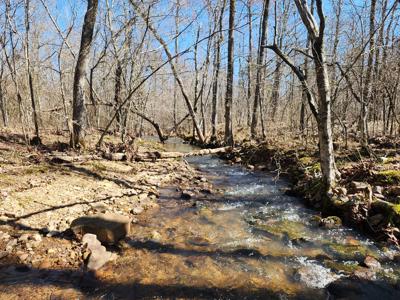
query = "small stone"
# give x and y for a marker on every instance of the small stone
(24, 238)
(365, 273)
(4, 236)
(45, 264)
(51, 251)
(137, 210)
(378, 189)
(11, 244)
(143, 196)
(155, 235)
(23, 257)
(52, 233)
(37, 237)
(3, 254)
(99, 256)
(372, 263)
(360, 186)
(100, 207)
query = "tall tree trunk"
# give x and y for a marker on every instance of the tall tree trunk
(260, 68)
(177, 10)
(217, 67)
(79, 110)
(324, 119)
(367, 90)
(29, 73)
(229, 75)
(250, 61)
(3, 106)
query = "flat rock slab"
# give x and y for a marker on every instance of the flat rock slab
(108, 227)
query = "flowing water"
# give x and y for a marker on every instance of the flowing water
(249, 241)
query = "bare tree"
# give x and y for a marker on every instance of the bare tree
(229, 76)
(217, 66)
(36, 140)
(260, 68)
(322, 112)
(173, 68)
(79, 110)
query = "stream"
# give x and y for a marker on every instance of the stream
(249, 241)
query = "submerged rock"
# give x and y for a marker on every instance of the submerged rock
(109, 228)
(372, 263)
(315, 276)
(330, 222)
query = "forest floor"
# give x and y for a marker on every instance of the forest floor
(43, 189)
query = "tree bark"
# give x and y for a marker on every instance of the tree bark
(79, 110)
(250, 61)
(367, 91)
(229, 81)
(29, 73)
(217, 67)
(260, 68)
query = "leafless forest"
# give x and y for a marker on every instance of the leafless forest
(323, 71)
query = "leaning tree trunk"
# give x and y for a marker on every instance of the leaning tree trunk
(229, 75)
(79, 111)
(174, 70)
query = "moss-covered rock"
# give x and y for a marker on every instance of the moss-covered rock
(348, 267)
(349, 251)
(285, 228)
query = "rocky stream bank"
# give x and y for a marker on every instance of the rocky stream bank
(57, 206)
(367, 195)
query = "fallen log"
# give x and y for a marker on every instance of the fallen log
(169, 155)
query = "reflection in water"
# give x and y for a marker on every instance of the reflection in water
(251, 242)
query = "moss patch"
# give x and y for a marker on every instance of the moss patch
(389, 177)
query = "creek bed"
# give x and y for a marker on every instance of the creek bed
(248, 241)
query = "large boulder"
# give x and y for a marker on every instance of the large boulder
(108, 227)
